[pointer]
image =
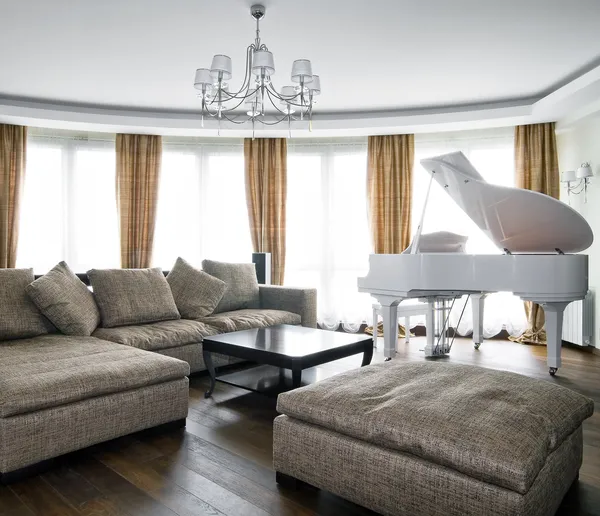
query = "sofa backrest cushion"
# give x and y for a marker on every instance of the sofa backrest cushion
(132, 296)
(63, 298)
(19, 317)
(240, 280)
(196, 292)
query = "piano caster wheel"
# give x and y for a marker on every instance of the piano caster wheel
(552, 370)
(477, 345)
(387, 359)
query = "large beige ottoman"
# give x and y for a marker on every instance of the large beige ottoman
(434, 439)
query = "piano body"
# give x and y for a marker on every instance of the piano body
(537, 233)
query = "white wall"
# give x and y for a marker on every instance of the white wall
(577, 144)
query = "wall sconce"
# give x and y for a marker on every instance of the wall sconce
(577, 180)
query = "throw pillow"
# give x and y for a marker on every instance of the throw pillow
(19, 317)
(132, 296)
(63, 298)
(240, 280)
(196, 292)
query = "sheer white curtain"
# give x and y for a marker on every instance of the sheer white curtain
(202, 205)
(492, 153)
(328, 241)
(69, 208)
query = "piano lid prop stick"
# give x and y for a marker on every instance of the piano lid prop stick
(414, 248)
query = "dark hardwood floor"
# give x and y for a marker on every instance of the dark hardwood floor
(220, 464)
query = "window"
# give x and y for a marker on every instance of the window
(202, 209)
(69, 208)
(328, 241)
(493, 157)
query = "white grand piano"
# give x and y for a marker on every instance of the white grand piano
(537, 234)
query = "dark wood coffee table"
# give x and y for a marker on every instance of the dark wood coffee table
(280, 348)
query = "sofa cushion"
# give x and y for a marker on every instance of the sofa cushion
(159, 335)
(53, 370)
(495, 426)
(250, 318)
(132, 296)
(19, 317)
(196, 292)
(241, 284)
(63, 298)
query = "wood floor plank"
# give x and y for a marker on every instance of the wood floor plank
(121, 493)
(11, 505)
(157, 486)
(221, 498)
(42, 499)
(80, 493)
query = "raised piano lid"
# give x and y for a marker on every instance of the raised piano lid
(515, 219)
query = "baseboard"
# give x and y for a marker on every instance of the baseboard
(38, 468)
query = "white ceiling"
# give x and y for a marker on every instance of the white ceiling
(371, 55)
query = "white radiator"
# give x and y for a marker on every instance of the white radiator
(578, 322)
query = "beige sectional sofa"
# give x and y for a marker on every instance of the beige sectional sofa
(78, 368)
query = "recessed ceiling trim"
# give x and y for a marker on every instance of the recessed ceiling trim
(578, 96)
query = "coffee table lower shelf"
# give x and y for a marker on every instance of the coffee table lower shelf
(270, 380)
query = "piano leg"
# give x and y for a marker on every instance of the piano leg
(389, 314)
(477, 304)
(554, 322)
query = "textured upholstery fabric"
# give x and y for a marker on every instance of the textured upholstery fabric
(30, 438)
(53, 370)
(240, 280)
(65, 301)
(400, 484)
(19, 317)
(196, 292)
(192, 354)
(496, 426)
(132, 296)
(158, 336)
(301, 301)
(250, 318)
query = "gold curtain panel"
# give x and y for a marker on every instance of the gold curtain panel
(13, 150)
(138, 171)
(389, 190)
(536, 169)
(266, 190)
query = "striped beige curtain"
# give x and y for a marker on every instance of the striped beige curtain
(536, 168)
(138, 171)
(266, 189)
(13, 150)
(389, 191)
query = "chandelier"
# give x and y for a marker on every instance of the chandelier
(292, 102)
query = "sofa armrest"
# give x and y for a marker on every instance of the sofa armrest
(301, 301)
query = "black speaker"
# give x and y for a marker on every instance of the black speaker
(262, 262)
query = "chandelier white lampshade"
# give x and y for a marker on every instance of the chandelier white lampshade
(257, 89)
(568, 175)
(585, 170)
(263, 63)
(202, 78)
(315, 85)
(221, 64)
(302, 71)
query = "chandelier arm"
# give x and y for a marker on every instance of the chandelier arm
(234, 121)
(269, 94)
(247, 76)
(275, 122)
(289, 99)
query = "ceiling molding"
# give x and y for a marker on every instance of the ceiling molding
(567, 104)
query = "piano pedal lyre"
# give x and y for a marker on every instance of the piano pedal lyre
(438, 316)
